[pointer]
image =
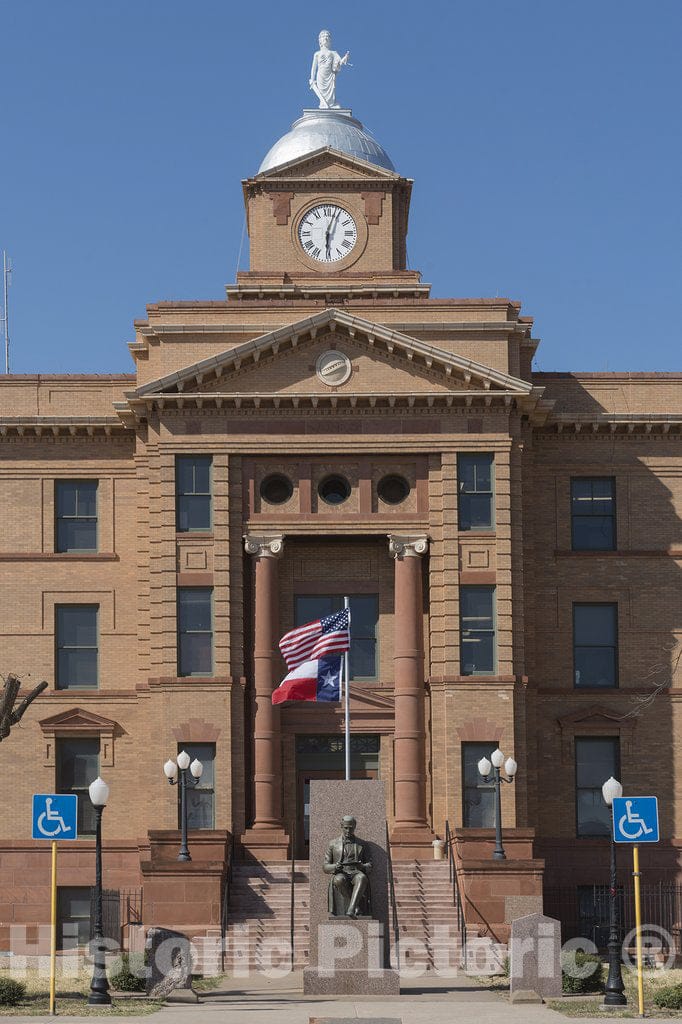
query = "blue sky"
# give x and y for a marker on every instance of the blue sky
(544, 140)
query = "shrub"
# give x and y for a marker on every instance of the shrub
(669, 997)
(588, 968)
(11, 992)
(131, 976)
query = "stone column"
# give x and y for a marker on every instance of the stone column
(266, 839)
(411, 832)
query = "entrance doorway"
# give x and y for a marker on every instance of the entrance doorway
(323, 757)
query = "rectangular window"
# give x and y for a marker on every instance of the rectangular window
(364, 619)
(596, 760)
(478, 797)
(200, 798)
(76, 643)
(475, 486)
(477, 629)
(77, 763)
(595, 644)
(75, 505)
(73, 916)
(195, 631)
(593, 513)
(193, 492)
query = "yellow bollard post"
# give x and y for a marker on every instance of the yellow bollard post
(53, 930)
(638, 924)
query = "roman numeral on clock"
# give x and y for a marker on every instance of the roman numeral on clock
(346, 244)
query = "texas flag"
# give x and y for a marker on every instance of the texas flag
(313, 680)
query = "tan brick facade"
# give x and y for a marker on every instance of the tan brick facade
(430, 379)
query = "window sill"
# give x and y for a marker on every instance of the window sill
(194, 534)
(58, 556)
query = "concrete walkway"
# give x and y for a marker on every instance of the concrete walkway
(262, 1000)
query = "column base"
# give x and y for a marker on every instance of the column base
(412, 842)
(265, 844)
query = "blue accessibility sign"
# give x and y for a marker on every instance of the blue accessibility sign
(55, 816)
(635, 819)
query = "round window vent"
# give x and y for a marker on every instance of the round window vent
(334, 489)
(276, 489)
(393, 489)
(333, 368)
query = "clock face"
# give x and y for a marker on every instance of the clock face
(327, 233)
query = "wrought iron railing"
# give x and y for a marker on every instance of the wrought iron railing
(225, 908)
(456, 892)
(584, 911)
(292, 907)
(394, 909)
(120, 907)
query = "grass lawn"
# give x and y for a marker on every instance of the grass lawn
(72, 993)
(577, 1006)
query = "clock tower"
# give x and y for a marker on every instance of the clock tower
(327, 214)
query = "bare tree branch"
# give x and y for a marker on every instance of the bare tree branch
(10, 691)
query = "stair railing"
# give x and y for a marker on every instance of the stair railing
(226, 902)
(456, 892)
(394, 909)
(292, 907)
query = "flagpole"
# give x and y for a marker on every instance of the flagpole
(346, 675)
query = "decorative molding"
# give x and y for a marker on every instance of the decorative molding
(595, 720)
(196, 730)
(374, 202)
(407, 547)
(264, 547)
(78, 722)
(281, 206)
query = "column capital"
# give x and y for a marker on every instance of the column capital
(407, 547)
(264, 547)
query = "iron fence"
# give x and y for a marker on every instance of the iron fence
(584, 911)
(120, 908)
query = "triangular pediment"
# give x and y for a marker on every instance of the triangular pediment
(322, 160)
(382, 361)
(77, 719)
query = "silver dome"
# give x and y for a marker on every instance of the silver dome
(317, 129)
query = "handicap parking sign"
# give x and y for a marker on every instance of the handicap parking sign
(55, 816)
(635, 819)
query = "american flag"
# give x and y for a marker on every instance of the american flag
(330, 635)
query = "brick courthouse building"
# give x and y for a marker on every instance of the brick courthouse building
(510, 542)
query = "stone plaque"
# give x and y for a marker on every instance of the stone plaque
(535, 956)
(170, 964)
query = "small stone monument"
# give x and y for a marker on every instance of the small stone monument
(170, 966)
(535, 956)
(349, 920)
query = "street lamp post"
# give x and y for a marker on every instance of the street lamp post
(485, 767)
(614, 990)
(99, 986)
(196, 769)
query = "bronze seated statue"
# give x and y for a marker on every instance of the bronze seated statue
(348, 861)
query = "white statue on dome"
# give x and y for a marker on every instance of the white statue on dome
(325, 67)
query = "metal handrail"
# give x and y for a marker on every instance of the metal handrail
(226, 902)
(456, 892)
(292, 929)
(394, 915)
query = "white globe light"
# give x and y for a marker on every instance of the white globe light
(196, 768)
(170, 769)
(511, 767)
(183, 760)
(497, 758)
(611, 790)
(484, 767)
(99, 792)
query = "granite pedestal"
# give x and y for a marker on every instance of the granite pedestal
(349, 956)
